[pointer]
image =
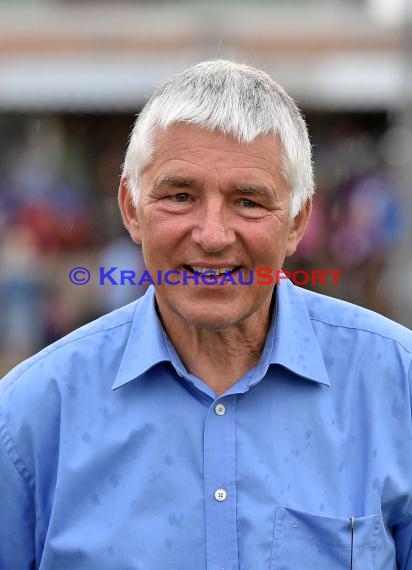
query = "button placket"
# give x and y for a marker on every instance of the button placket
(220, 487)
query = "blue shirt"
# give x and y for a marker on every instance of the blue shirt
(114, 457)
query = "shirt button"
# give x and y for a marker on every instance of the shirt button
(220, 495)
(220, 409)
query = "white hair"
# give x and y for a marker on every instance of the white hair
(234, 99)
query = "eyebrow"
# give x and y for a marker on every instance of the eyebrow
(256, 190)
(174, 181)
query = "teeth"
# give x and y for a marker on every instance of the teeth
(215, 270)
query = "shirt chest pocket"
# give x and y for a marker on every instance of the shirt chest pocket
(303, 541)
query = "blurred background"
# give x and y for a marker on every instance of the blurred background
(73, 75)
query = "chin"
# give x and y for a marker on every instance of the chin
(212, 318)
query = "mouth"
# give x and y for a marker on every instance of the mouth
(211, 272)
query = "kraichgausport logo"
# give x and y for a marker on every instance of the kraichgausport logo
(265, 276)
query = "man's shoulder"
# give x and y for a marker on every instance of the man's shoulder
(334, 313)
(82, 348)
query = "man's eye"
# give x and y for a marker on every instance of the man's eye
(248, 203)
(181, 197)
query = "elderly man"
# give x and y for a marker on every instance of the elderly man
(213, 425)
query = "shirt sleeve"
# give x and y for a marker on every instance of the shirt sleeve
(17, 544)
(403, 533)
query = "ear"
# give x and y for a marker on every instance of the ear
(129, 211)
(297, 228)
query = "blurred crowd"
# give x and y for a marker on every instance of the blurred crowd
(58, 210)
(357, 213)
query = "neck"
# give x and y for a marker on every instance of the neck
(218, 357)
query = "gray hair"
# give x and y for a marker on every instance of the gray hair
(234, 99)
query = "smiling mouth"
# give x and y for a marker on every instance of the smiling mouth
(211, 272)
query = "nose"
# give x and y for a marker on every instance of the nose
(213, 232)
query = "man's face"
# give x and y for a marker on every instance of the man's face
(208, 201)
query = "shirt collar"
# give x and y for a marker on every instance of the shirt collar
(146, 345)
(294, 344)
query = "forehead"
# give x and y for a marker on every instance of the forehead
(182, 149)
